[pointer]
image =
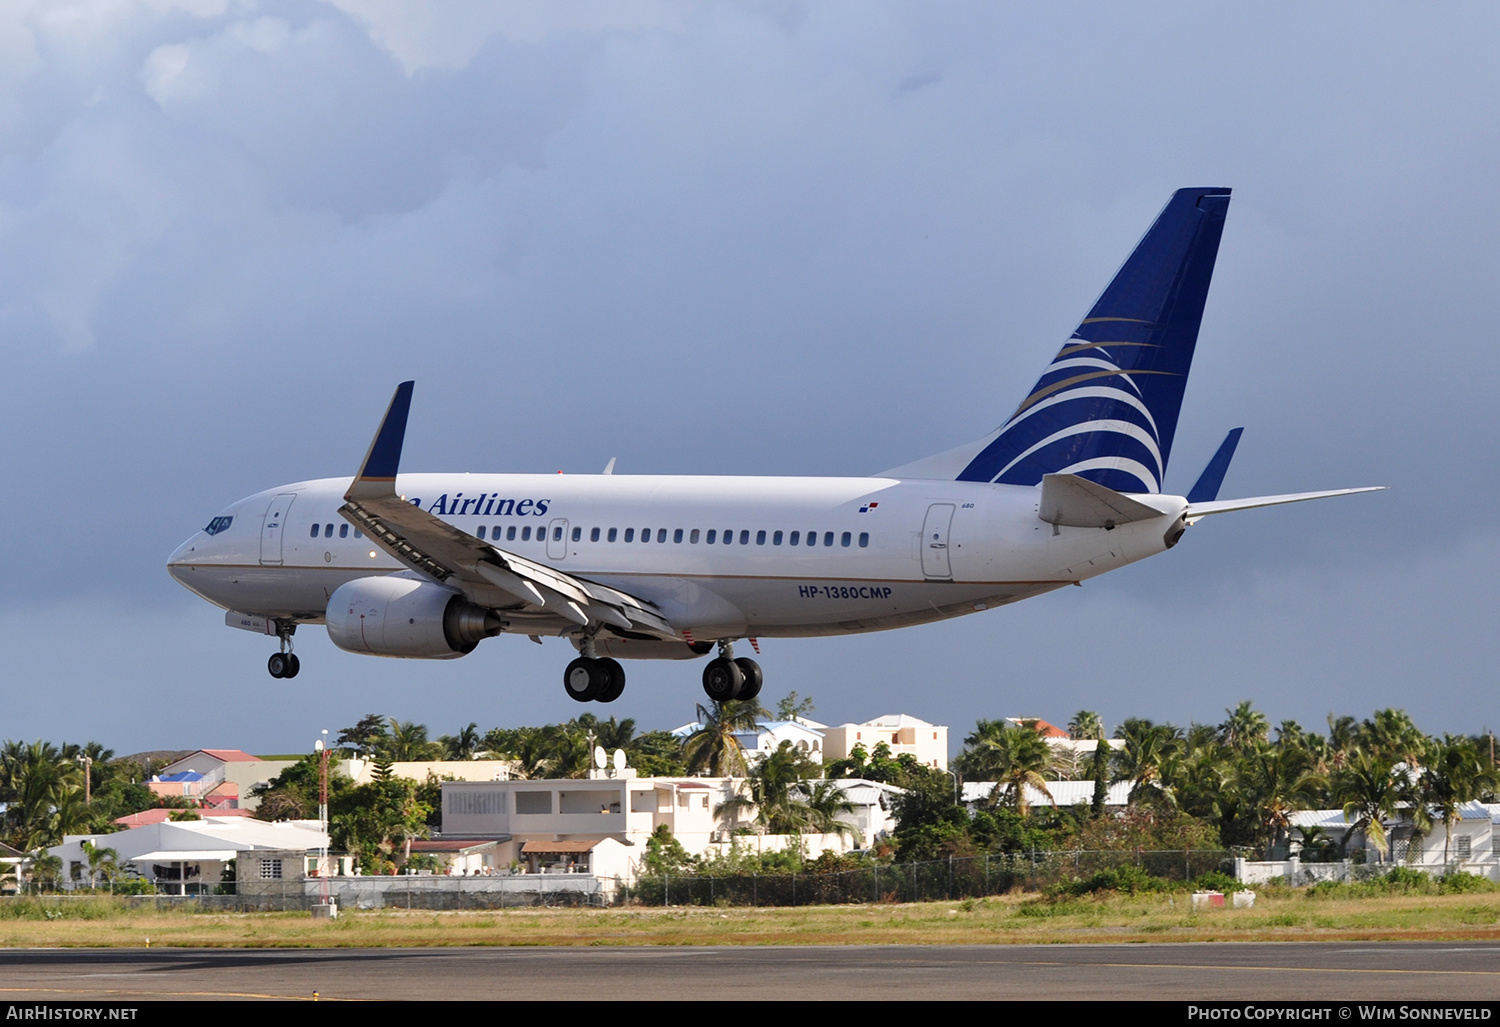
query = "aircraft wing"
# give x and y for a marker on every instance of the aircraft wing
(486, 575)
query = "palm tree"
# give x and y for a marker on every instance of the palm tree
(773, 793)
(408, 742)
(1372, 789)
(1015, 758)
(1086, 724)
(101, 861)
(826, 804)
(713, 749)
(1244, 728)
(1149, 761)
(1456, 772)
(461, 746)
(1278, 782)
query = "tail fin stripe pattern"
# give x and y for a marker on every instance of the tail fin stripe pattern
(1113, 463)
(1103, 434)
(1122, 427)
(1091, 392)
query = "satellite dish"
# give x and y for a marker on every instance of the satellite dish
(619, 759)
(599, 757)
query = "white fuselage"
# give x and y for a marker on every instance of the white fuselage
(720, 561)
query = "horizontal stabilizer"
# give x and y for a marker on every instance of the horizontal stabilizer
(1076, 502)
(1197, 510)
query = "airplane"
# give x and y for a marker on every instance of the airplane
(426, 566)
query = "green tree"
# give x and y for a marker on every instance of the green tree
(1456, 772)
(1372, 790)
(1148, 761)
(1015, 758)
(461, 746)
(792, 708)
(713, 749)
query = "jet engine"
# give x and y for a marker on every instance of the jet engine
(400, 616)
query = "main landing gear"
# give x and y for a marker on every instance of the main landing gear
(285, 663)
(593, 679)
(727, 678)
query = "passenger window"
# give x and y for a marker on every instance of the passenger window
(481, 533)
(661, 534)
(614, 533)
(578, 534)
(314, 533)
(629, 534)
(711, 536)
(729, 536)
(745, 537)
(526, 534)
(812, 538)
(796, 535)
(594, 535)
(760, 538)
(693, 537)
(556, 534)
(776, 539)
(358, 533)
(864, 540)
(844, 540)
(677, 535)
(510, 533)
(328, 531)
(828, 538)
(343, 531)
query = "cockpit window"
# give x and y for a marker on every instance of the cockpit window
(218, 524)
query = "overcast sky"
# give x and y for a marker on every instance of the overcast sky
(761, 238)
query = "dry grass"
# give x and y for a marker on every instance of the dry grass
(1280, 916)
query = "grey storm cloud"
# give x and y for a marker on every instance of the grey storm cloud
(725, 237)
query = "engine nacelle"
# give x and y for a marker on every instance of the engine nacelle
(397, 616)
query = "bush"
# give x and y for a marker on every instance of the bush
(1217, 880)
(1129, 879)
(1458, 883)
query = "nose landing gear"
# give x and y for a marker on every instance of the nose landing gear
(285, 663)
(727, 678)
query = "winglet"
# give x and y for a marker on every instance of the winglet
(1206, 489)
(377, 475)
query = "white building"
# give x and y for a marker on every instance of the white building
(805, 735)
(560, 825)
(902, 733)
(184, 857)
(1468, 843)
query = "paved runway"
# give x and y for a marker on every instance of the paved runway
(1205, 971)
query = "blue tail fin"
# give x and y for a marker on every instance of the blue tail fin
(1106, 408)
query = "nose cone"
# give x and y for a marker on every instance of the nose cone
(179, 564)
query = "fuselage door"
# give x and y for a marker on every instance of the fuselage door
(271, 527)
(557, 538)
(935, 541)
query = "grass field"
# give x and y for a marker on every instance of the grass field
(1280, 915)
